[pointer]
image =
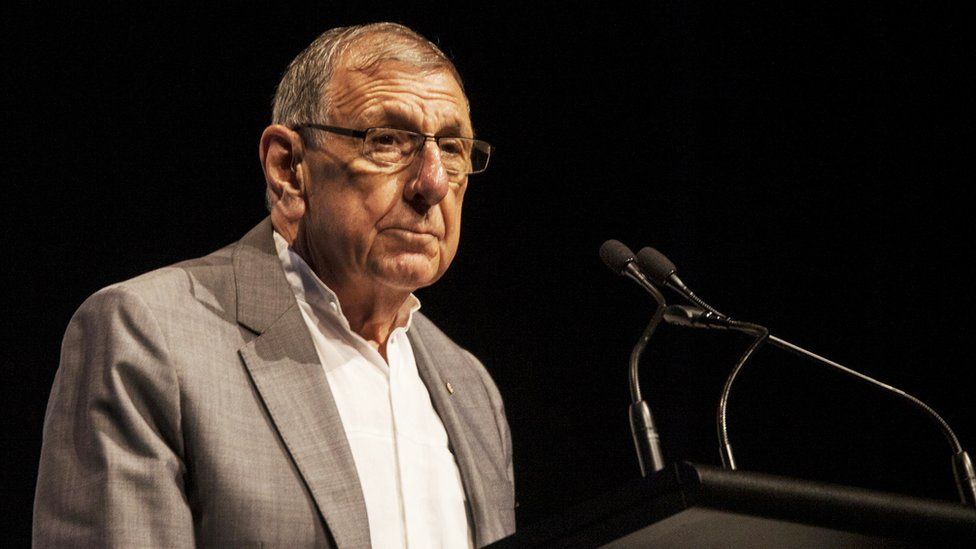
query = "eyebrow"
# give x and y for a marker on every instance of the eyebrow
(396, 117)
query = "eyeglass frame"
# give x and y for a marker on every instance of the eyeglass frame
(361, 134)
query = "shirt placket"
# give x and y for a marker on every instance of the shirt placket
(397, 395)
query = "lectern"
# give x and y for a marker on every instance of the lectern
(697, 506)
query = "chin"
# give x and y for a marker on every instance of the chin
(410, 273)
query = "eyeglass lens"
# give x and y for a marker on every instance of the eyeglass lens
(459, 155)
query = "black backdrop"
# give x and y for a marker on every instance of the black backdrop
(805, 167)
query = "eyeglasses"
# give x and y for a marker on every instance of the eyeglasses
(390, 146)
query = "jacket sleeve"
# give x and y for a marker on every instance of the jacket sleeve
(111, 470)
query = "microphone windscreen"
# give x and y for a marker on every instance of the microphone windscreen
(655, 265)
(616, 255)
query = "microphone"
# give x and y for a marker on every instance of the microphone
(620, 259)
(660, 269)
(616, 255)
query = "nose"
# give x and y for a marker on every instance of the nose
(429, 184)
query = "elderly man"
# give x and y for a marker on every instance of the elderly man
(284, 390)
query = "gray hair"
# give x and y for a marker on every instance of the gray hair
(303, 95)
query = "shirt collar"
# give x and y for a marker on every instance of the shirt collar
(309, 288)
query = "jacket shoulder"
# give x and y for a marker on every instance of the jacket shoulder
(208, 279)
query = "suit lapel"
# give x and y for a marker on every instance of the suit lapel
(457, 428)
(286, 371)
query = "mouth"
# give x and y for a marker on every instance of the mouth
(415, 233)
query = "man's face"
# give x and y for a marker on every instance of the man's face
(396, 226)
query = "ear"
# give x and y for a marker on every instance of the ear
(281, 153)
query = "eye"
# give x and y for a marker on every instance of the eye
(453, 146)
(384, 137)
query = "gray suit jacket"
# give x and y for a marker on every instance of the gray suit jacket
(190, 408)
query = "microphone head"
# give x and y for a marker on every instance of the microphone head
(655, 265)
(616, 255)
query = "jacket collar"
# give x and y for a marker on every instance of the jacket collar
(263, 294)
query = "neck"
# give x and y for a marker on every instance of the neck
(371, 314)
(371, 309)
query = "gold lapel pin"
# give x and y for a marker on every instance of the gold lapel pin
(450, 388)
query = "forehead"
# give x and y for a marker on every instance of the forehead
(399, 94)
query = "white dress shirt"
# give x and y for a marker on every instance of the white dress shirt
(409, 478)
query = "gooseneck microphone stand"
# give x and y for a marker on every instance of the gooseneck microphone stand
(620, 259)
(725, 447)
(646, 439)
(962, 465)
(692, 317)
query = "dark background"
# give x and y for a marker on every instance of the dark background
(806, 167)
